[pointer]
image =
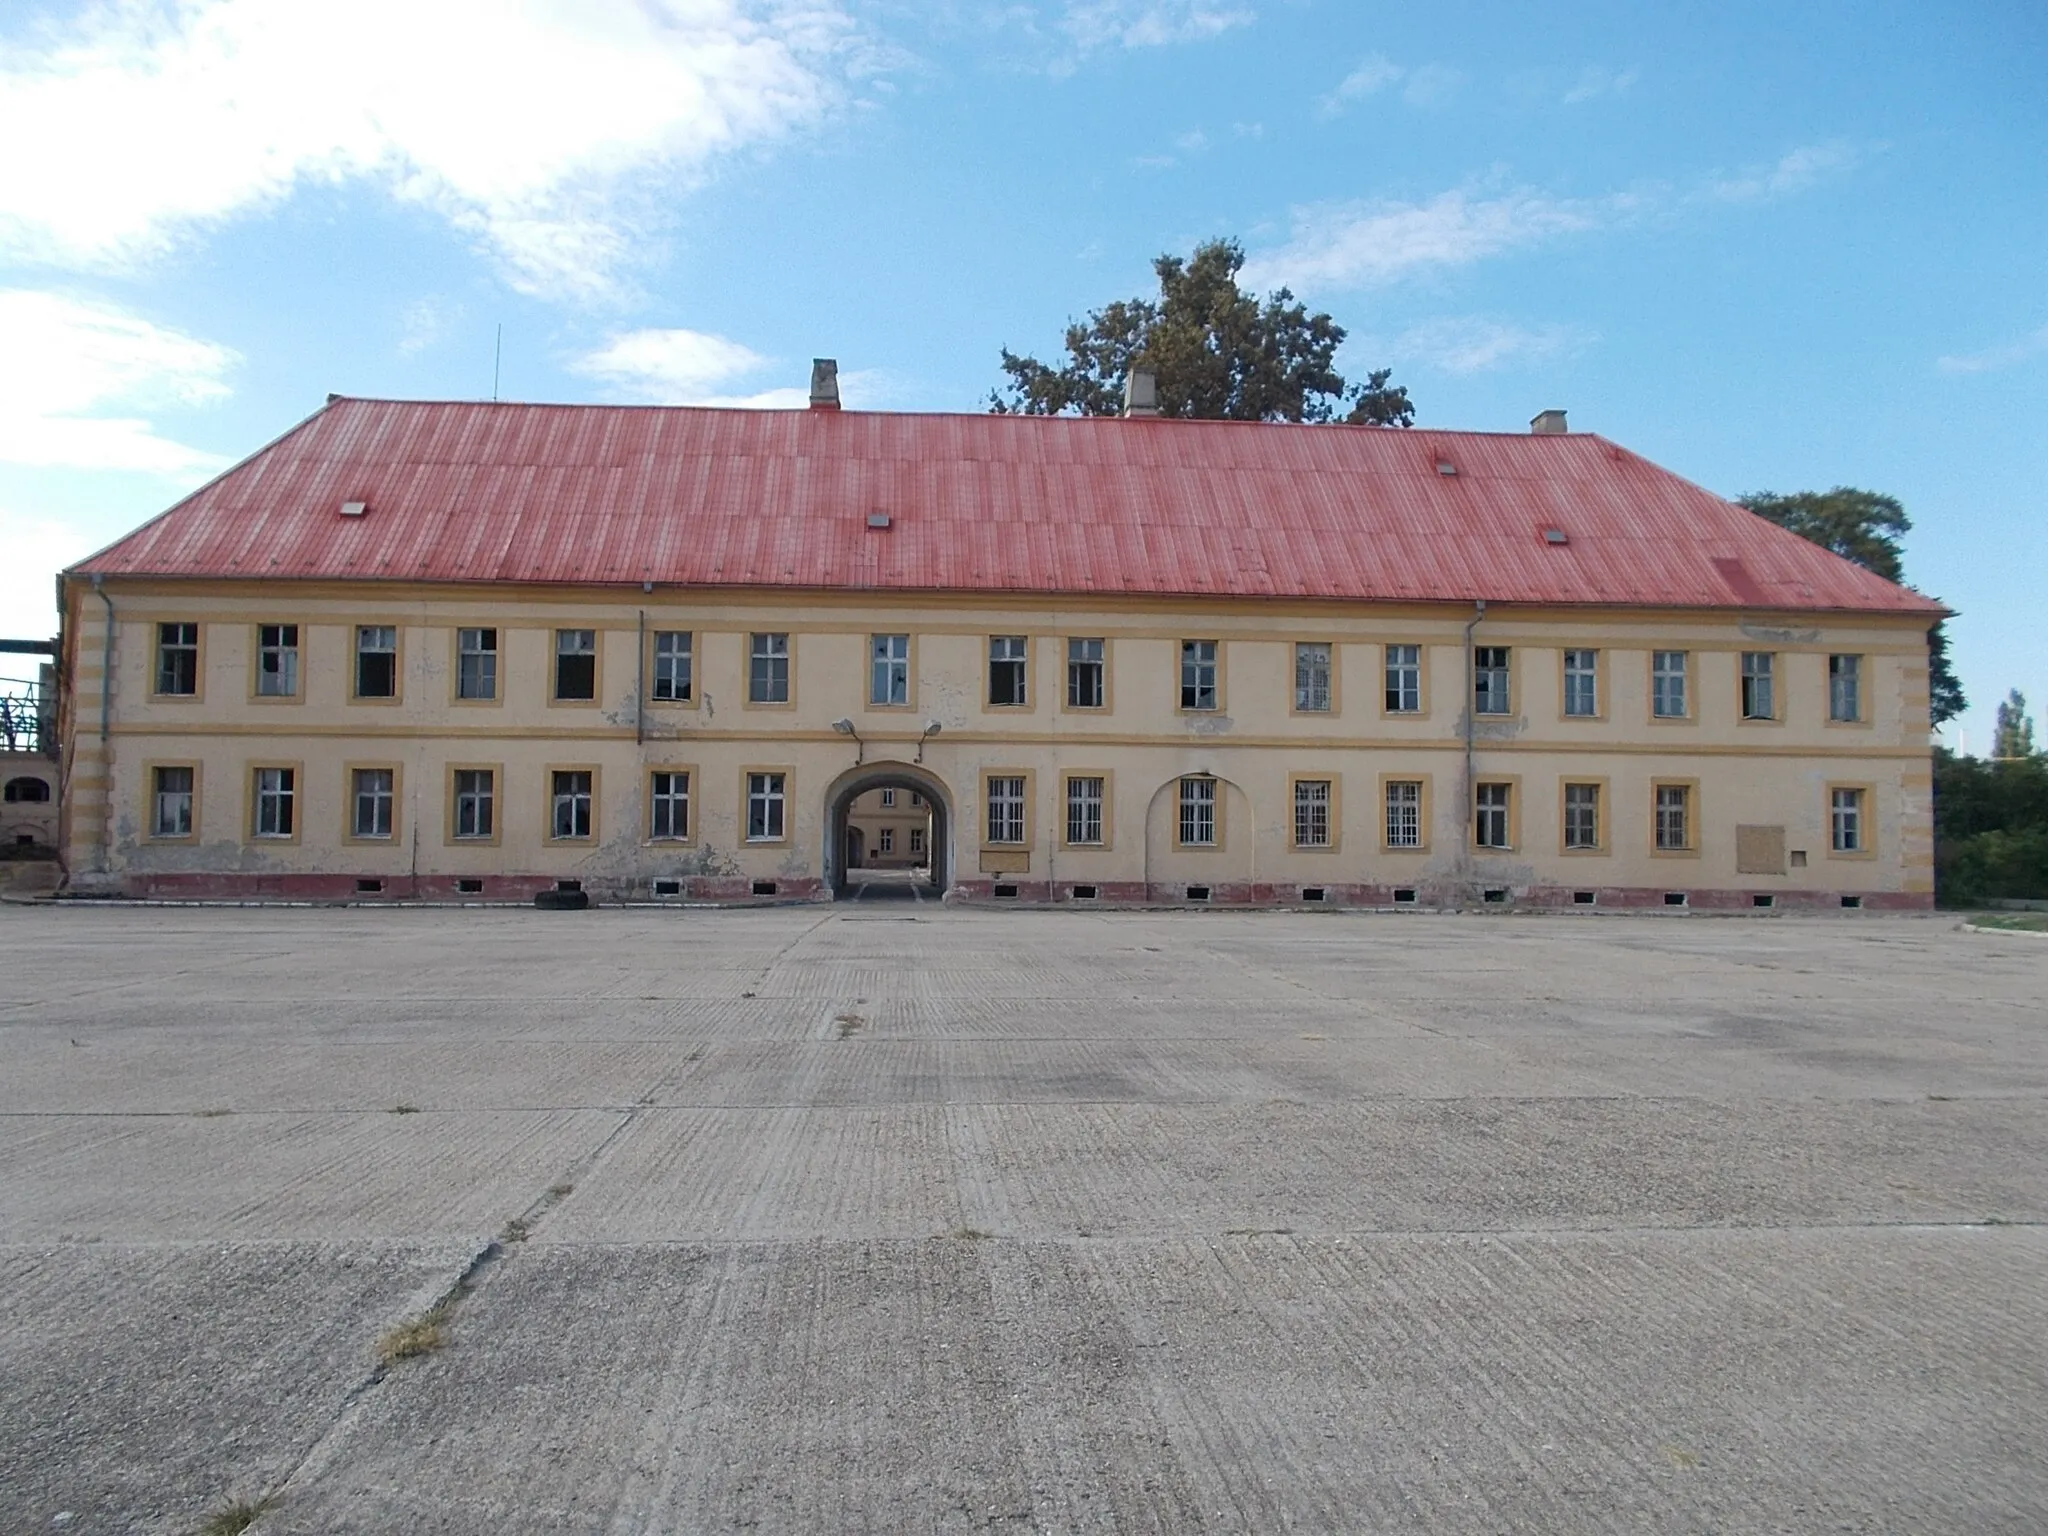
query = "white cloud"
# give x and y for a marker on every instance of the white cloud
(1371, 75)
(1475, 344)
(1427, 85)
(426, 323)
(1355, 245)
(1431, 85)
(1595, 82)
(521, 124)
(1794, 172)
(37, 549)
(70, 362)
(2013, 353)
(680, 367)
(1093, 24)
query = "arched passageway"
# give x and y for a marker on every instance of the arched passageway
(854, 852)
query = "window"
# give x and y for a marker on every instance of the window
(1582, 816)
(1674, 818)
(1005, 808)
(370, 802)
(1845, 820)
(1084, 810)
(1311, 813)
(768, 669)
(1006, 670)
(1312, 677)
(475, 802)
(1404, 813)
(1404, 679)
(170, 802)
(1845, 689)
(569, 805)
(26, 791)
(916, 801)
(1198, 674)
(766, 799)
(1667, 685)
(1757, 703)
(917, 840)
(888, 840)
(672, 657)
(1086, 666)
(177, 659)
(888, 799)
(476, 663)
(277, 661)
(1491, 826)
(576, 665)
(1582, 683)
(889, 669)
(1490, 680)
(668, 796)
(276, 789)
(1198, 813)
(376, 661)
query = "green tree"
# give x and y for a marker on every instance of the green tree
(2013, 736)
(1217, 352)
(1866, 527)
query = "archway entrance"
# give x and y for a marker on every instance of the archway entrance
(888, 832)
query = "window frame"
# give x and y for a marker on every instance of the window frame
(555, 654)
(1603, 805)
(1027, 662)
(349, 770)
(549, 772)
(1564, 685)
(456, 653)
(885, 840)
(1108, 817)
(788, 701)
(690, 817)
(654, 659)
(1422, 649)
(156, 651)
(253, 800)
(1067, 706)
(1866, 818)
(1422, 813)
(1773, 674)
(355, 662)
(1216, 812)
(1694, 815)
(1333, 810)
(788, 776)
(450, 837)
(1513, 783)
(908, 662)
(1862, 677)
(1180, 677)
(1687, 679)
(297, 649)
(150, 769)
(1029, 790)
(1333, 707)
(1511, 682)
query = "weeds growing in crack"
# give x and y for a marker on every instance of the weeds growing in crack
(210, 1114)
(561, 1191)
(235, 1516)
(969, 1235)
(404, 1109)
(516, 1230)
(415, 1336)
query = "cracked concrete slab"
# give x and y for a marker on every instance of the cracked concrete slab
(950, 1220)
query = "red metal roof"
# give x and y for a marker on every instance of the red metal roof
(461, 492)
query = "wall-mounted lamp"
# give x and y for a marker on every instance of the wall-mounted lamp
(931, 728)
(844, 727)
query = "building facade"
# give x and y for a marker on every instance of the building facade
(472, 652)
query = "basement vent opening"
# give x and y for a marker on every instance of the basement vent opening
(1674, 898)
(369, 887)
(469, 887)
(568, 885)
(1583, 898)
(1198, 893)
(1496, 894)
(668, 887)
(1084, 893)
(1311, 893)
(1852, 902)
(764, 887)
(1006, 892)
(1404, 897)
(1763, 901)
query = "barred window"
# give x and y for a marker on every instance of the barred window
(668, 796)
(277, 661)
(1667, 684)
(1674, 817)
(1404, 679)
(177, 659)
(1582, 683)
(1311, 813)
(673, 659)
(476, 663)
(1198, 674)
(475, 802)
(1084, 809)
(569, 808)
(1490, 680)
(370, 802)
(1312, 677)
(1845, 688)
(1404, 813)
(1005, 808)
(768, 669)
(1582, 816)
(1198, 813)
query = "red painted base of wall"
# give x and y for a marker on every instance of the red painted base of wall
(1537, 898)
(453, 888)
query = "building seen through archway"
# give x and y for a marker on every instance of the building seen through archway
(887, 830)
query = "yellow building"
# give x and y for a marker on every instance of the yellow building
(456, 651)
(888, 828)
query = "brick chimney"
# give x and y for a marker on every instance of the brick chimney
(824, 384)
(1548, 424)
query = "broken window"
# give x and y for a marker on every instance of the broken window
(766, 801)
(276, 789)
(1198, 674)
(1582, 683)
(1086, 673)
(476, 663)
(370, 802)
(570, 803)
(1084, 809)
(888, 669)
(1758, 702)
(1006, 661)
(277, 661)
(1845, 820)
(768, 669)
(376, 661)
(1198, 813)
(170, 802)
(1582, 816)
(668, 793)
(1493, 825)
(1311, 813)
(475, 802)
(1312, 676)
(1005, 808)
(1490, 680)
(1404, 679)
(672, 658)
(576, 665)
(177, 659)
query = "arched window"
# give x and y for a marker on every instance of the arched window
(26, 789)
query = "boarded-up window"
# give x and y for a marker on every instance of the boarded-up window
(1760, 850)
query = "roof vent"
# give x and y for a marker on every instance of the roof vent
(1548, 424)
(1446, 467)
(1141, 393)
(1556, 536)
(354, 508)
(878, 519)
(824, 384)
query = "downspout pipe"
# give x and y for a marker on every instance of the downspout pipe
(1471, 712)
(99, 588)
(640, 688)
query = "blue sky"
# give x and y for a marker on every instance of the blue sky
(1771, 247)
